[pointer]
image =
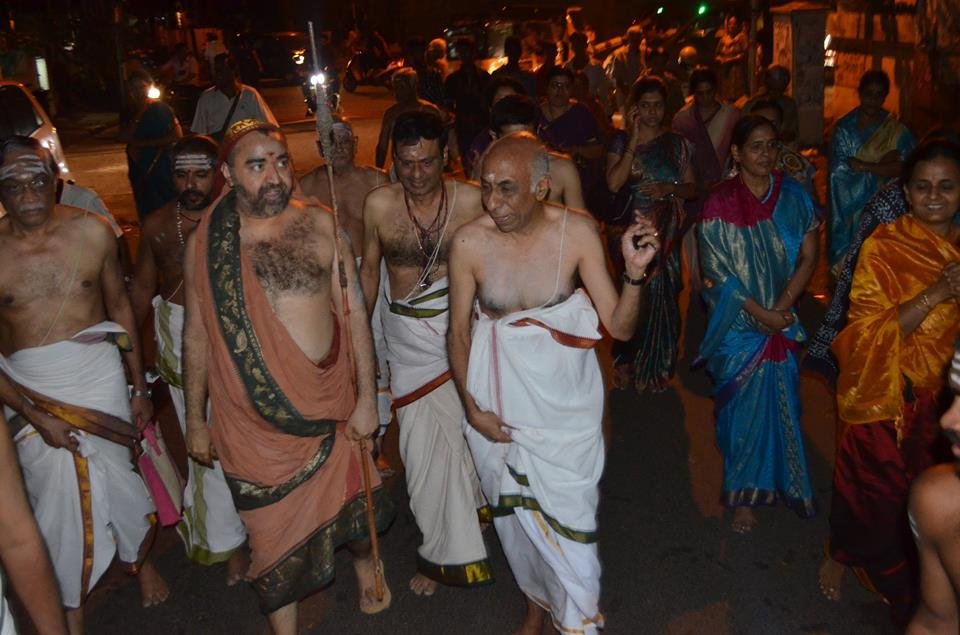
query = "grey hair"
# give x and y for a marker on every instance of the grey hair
(539, 168)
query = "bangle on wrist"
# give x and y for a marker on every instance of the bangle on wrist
(634, 282)
(146, 393)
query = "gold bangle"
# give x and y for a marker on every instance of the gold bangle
(925, 300)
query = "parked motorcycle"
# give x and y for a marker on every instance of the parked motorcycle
(363, 70)
(331, 85)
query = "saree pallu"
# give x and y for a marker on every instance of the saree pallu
(887, 402)
(886, 206)
(575, 127)
(276, 421)
(653, 347)
(849, 191)
(749, 249)
(711, 148)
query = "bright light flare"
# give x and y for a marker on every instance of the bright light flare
(318, 79)
(659, 10)
(299, 57)
(153, 92)
(702, 9)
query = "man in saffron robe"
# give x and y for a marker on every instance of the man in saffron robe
(288, 359)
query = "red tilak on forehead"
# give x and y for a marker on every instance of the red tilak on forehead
(241, 129)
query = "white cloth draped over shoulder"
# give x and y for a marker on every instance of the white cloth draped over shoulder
(211, 529)
(537, 370)
(84, 371)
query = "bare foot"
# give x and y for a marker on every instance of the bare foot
(743, 520)
(533, 621)
(422, 585)
(367, 585)
(237, 566)
(153, 589)
(831, 574)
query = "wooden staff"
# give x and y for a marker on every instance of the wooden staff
(324, 129)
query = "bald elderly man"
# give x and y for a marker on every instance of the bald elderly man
(529, 377)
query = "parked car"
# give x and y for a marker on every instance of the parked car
(21, 114)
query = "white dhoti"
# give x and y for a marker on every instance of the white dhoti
(91, 505)
(384, 399)
(538, 371)
(211, 528)
(445, 494)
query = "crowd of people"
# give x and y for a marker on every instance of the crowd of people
(296, 318)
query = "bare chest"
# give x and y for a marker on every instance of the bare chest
(167, 246)
(295, 261)
(516, 278)
(38, 276)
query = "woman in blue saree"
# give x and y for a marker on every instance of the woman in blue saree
(867, 149)
(758, 248)
(654, 165)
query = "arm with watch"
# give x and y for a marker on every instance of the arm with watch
(118, 308)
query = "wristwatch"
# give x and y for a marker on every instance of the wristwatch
(634, 282)
(146, 394)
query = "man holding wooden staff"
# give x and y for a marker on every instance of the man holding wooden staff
(290, 372)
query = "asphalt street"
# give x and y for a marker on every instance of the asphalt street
(671, 562)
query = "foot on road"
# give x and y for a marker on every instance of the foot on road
(237, 566)
(422, 585)
(744, 520)
(533, 621)
(367, 586)
(831, 575)
(153, 589)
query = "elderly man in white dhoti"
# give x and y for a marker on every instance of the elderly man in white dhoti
(410, 224)
(62, 381)
(211, 529)
(529, 375)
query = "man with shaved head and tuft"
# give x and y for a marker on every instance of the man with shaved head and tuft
(529, 376)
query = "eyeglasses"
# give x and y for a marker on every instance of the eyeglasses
(12, 187)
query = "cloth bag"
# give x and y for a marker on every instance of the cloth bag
(161, 475)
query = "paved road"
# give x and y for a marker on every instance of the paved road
(100, 163)
(671, 563)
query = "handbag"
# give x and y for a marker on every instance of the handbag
(160, 474)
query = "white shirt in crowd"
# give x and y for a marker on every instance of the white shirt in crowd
(213, 107)
(87, 199)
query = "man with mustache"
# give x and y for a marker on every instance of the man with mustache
(274, 330)
(66, 331)
(410, 225)
(211, 530)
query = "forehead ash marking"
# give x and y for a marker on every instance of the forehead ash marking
(28, 165)
(193, 161)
